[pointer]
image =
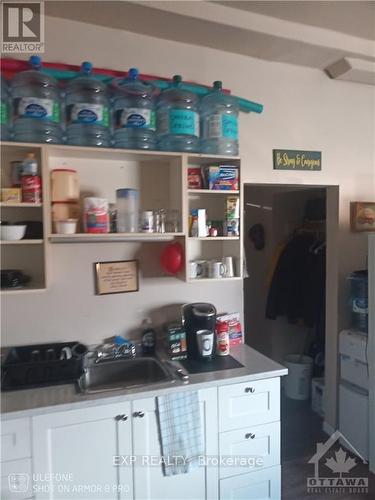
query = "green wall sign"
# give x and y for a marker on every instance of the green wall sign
(289, 159)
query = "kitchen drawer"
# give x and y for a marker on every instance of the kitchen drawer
(15, 439)
(249, 403)
(261, 485)
(258, 446)
(16, 479)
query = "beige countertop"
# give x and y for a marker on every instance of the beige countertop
(29, 402)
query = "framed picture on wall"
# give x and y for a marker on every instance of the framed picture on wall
(362, 215)
(120, 276)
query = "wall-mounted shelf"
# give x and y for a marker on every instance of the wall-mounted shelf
(20, 205)
(32, 288)
(214, 238)
(211, 280)
(212, 191)
(112, 237)
(21, 242)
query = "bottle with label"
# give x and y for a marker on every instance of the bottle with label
(148, 338)
(4, 116)
(177, 118)
(219, 122)
(87, 110)
(31, 183)
(133, 112)
(36, 105)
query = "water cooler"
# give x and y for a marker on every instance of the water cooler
(353, 391)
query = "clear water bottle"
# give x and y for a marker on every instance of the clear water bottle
(4, 116)
(87, 110)
(36, 105)
(133, 112)
(177, 119)
(219, 122)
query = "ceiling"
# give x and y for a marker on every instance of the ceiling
(306, 33)
(353, 18)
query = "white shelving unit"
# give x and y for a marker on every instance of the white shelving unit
(161, 178)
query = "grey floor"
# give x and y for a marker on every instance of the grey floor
(300, 432)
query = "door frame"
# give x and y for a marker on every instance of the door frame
(331, 375)
(371, 347)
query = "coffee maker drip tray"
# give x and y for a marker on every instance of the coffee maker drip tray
(213, 365)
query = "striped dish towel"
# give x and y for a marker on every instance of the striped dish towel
(180, 432)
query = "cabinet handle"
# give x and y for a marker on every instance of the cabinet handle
(139, 414)
(250, 389)
(120, 418)
(249, 435)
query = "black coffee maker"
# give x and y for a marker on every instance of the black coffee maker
(200, 317)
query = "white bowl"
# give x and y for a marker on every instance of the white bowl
(12, 232)
(66, 226)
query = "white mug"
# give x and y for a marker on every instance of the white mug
(197, 269)
(229, 264)
(205, 341)
(216, 269)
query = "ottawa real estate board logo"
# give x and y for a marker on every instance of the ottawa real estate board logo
(338, 468)
(22, 27)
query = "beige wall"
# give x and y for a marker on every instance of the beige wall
(303, 110)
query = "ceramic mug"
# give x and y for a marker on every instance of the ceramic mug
(205, 341)
(197, 269)
(229, 264)
(216, 269)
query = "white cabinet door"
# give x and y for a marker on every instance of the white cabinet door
(74, 453)
(249, 403)
(200, 483)
(15, 439)
(251, 449)
(260, 485)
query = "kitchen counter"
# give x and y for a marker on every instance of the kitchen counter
(30, 402)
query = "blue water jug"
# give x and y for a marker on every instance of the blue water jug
(219, 122)
(36, 106)
(4, 116)
(87, 110)
(133, 112)
(177, 118)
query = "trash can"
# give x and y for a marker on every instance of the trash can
(298, 381)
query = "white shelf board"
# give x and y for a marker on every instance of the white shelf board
(35, 288)
(21, 242)
(210, 280)
(214, 238)
(212, 191)
(20, 205)
(112, 237)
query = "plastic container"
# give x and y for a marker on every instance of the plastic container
(36, 106)
(64, 185)
(219, 122)
(127, 201)
(66, 226)
(134, 112)
(177, 119)
(358, 300)
(298, 381)
(96, 215)
(65, 210)
(87, 110)
(4, 115)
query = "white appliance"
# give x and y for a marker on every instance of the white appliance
(353, 391)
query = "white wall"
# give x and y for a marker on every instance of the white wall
(303, 110)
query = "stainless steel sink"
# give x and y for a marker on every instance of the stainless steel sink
(123, 374)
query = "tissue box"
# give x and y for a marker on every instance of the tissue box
(11, 195)
(224, 177)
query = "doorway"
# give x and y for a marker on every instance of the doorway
(276, 218)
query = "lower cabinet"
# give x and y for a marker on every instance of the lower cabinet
(260, 485)
(113, 452)
(201, 483)
(74, 453)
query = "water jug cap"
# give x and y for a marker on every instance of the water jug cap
(177, 79)
(218, 85)
(35, 62)
(133, 73)
(86, 67)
